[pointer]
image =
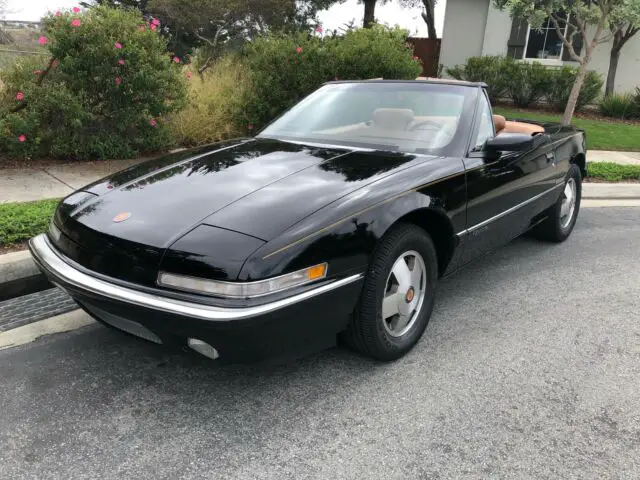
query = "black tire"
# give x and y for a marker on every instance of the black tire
(366, 332)
(554, 228)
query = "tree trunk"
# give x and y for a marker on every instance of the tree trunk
(575, 92)
(613, 67)
(429, 18)
(369, 13)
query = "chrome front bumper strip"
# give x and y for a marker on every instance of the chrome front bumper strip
(51, 262)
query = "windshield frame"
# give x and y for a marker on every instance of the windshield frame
(456, 147)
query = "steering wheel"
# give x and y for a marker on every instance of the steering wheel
(425, 123)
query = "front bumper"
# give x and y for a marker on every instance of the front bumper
(311, 318)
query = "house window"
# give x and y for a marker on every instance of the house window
(544, 43)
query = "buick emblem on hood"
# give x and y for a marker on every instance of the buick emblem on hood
(121, 217)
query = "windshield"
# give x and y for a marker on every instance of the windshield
(413, 117)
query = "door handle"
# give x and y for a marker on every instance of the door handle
(550, 156)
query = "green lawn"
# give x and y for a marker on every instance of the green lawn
(601, 134)
(613, 172)
(21, 221)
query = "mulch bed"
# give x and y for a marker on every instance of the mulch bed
(14, 247)
(6, 163)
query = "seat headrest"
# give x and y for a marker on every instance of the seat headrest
(397, 118)
(500, 122)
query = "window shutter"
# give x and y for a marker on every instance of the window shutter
(577, 45)
(518, 38)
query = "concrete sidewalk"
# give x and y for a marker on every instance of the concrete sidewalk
(24, 185)
(623, 158)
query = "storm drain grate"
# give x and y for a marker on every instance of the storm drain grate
(33, 307)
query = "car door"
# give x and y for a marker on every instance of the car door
(500, 190)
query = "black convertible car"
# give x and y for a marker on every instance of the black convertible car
(337, 220)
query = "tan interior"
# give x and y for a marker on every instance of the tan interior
(504, 126)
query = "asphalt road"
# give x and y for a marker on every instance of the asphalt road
(530, 368)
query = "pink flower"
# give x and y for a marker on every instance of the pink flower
(19, 96)
(319, 29)
(188, 74)
(118, 80)
(58, 13)
(155, 22)
(37, 72)
(153, 122)
(176, 59)
(153, 27)
(142, 28)
(121, 61)
(299, 50)
(118, 45)
(42, 40)
(416, 58)
(75, 22)
(76, 9)
(22, 138)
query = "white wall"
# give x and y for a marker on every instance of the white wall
(463, 31)
(497, 33)
(475, 27)
(628, 74)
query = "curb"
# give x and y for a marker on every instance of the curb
(610, 191)
(19, 275)
(31, 332)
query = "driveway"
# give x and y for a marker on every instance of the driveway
(529, 368)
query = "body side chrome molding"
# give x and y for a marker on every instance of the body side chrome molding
(508, 211)
(50, 261)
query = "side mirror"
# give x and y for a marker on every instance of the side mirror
(509, 142)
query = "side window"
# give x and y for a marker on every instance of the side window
(486, 130)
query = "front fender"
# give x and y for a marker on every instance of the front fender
(346, 243)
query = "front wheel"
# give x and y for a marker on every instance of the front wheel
(397, 297)
(562, 216)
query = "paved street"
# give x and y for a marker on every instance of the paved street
(529, 368)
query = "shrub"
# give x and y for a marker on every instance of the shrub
(283, 69)
(613, 172)
(528, 82)
(493, 70)
(102, 94)
(618, 106)
(216, 105)
(562, 80)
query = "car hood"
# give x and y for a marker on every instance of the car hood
(257, 187)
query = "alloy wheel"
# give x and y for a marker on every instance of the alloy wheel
(404, 293)
(568, 205)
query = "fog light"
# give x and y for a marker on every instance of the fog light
(203, 348)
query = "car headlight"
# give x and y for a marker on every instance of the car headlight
(243, 290)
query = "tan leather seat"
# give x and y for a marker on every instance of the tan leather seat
(499, 122)
(521, 127)
(505, 126)
(392, 118)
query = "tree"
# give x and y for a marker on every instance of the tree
(369, 17)
(428, 14)
(220, 25)
(624, 24)
(587, 18)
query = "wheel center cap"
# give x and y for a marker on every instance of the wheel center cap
(410, 294)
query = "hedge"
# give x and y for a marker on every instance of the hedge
(527, 83)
